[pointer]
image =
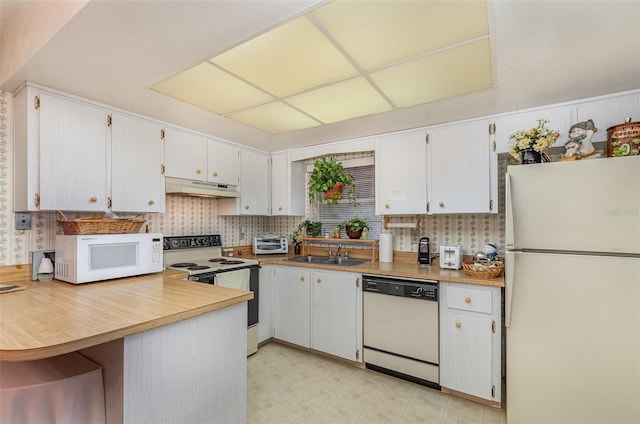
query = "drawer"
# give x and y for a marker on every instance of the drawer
(468, 299)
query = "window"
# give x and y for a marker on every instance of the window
(363, 172)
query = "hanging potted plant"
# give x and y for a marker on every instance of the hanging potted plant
(328, 181)
(354, 227)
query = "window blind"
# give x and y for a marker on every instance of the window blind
(364, 180)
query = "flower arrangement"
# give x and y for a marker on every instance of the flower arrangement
(296, 236)
(538, 139)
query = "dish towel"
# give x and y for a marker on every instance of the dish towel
(238, 279)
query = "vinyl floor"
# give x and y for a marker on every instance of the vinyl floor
(288, 385)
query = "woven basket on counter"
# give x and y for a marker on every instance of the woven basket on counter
(483, 269)
(98, 225)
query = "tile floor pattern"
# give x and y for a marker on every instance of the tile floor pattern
(287, 385)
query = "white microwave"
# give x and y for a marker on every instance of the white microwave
(95, 257)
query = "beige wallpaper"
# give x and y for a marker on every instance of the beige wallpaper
(190, 215)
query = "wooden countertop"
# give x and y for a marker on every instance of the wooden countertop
(394, 269)
(52, 318)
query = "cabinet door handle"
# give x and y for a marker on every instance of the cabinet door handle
(301, 278)
(468, 300)
(198, 171)
(386, 206)
(441, 204)
(318, 280)
(246, 207)
(215, 174)
(152, 202)
(458, 324)
(280, 208)
(94, 199)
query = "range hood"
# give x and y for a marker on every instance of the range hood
(198, 188)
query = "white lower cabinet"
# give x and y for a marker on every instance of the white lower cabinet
(336, 311)
(265, 304)
(292, 308)
(319, 309)
(470, 340)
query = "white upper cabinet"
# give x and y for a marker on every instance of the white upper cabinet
(287, 186)
(137, 182)
(401, 174)
(185, 154)
(73, 150)
(608, 112)
(254, 186)
(74, 155)
(560, 119)
(223, 162)
(462, 169)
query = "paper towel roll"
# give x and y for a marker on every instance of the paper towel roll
(386, 247)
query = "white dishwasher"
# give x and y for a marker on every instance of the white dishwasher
(401, 328)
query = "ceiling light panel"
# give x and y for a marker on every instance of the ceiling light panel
(212, 89)
(442, 75)
(275, 118)
(378, 33)
(287, 60)
(341, 101)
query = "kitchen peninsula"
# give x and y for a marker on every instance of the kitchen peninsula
(172, 350)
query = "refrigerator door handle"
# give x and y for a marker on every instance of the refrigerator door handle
(509, 268)
(509, 241)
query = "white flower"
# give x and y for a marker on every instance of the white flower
(539, 139)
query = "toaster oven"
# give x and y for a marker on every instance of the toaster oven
(270, 245)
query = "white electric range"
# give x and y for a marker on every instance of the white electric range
(201, 258)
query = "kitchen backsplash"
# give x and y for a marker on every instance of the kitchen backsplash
(192, 215)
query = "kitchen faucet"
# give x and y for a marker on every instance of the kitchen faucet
(339, 249)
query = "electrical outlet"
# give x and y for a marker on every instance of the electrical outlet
(23, 221)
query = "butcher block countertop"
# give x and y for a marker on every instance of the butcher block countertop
(52, 317)
(402, 269)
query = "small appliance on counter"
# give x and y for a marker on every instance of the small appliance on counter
(424, 251)
(451, 256)
(266, 245)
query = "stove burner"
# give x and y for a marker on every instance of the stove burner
(197, 267)
(217, 260)
(231, 262)
(183, 264)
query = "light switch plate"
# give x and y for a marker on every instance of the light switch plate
(23, 221)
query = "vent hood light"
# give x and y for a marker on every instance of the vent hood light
(199, 188)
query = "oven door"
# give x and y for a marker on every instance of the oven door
(220, 277)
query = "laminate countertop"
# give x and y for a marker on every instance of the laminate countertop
(394, 269)
(51, 318)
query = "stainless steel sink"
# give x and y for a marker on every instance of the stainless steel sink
(344, 261)
(309, 259)
(328, 260)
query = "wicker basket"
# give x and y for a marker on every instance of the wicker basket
(483, 269)
(98, 225)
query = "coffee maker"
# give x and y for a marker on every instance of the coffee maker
(424, 252)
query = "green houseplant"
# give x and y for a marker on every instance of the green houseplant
(313, 229)
(328, 180)
(354, 227)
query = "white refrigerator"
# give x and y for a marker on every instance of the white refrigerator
(572, 292)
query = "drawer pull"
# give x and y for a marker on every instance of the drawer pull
(94, 199)
(215, 174)
(198, 171)
(152, 202)
(301, 278)
(458, 325)
(468, 300)
(318, 280)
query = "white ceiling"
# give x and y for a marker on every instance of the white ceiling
(114, 51)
